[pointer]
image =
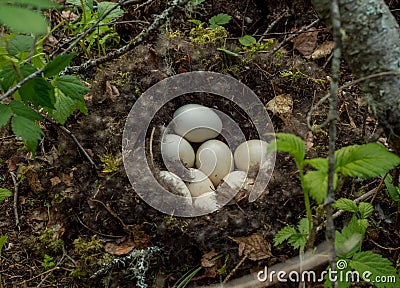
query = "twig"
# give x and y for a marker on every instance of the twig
(294, 36)
(108, 208)
(236, 267)
(94, 231)
(378, 188)
(270, 26)
(323, 99)
(158, 21)
(15, 202)
(332, 118)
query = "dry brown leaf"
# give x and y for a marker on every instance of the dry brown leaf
(281, 105)
(119, 249)
(322, 50)
(67, 179)
(309, 140)
(55, 180)
(306, 43)
(254, 246)
(206, 259)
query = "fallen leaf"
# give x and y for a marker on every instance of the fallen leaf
(55, 180)
(119, 249)
(206, 259)
(309, 140)
(281, 105)
(322, 50)
(306, 42)
(254, 246)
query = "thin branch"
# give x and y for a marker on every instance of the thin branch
(15, 202)
(158, 21)
(332, 118)
(294, 36)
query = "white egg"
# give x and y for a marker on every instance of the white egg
(200, 183)
(238, 180)
(207, 202)
(215, 159)
(175, 148)
(196, 123)
(175, 185)
(251, 155)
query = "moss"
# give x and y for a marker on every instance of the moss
(47, 243)
(110, 162)
(202, 35)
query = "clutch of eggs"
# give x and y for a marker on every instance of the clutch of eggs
(213, 160)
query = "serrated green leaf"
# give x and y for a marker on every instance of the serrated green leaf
(304, 226)
(368, 262)
(284, 234)
(42, 4)
(28, 130)
(247, 40)
(71, 86)
(318, 163)
(297, 240)
(58, 64)
(226, 51)
(65, 106)
(8, 77)
(218, 20)
(348, 241)
(394, 192)
(4, 193)
(38, 91)
(346, 205)
(341, 284)
(3, 240)
(316, 183)
(19, 44)
(365, 209)
(27, 69)
(5, 114)
(33, 22)
(88, 3)
(103, 7)
(21, 109)
(293, 145)
(365, 161)
(363, 223)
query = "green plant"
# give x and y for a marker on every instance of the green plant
(104, 32)
(4, 193)
(363, 161)
(33, 82)
(215, 33)
(48, 262)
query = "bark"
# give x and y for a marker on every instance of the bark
(371, 44)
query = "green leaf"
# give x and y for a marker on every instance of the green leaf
(298, 240)
(394, 192)
(5, 114)
(33, 22)
(4, 193)
(293, 145)
(28, 130)
(88, 3)
(228, 52)
(365, 161)
(3, 240)
(21, 109)
(284, 234)
(27, 69)
(348, 241)
(247, 40)
(103, 7)
(42, 4)
(318, 163)
(65, 106)
(365, 209)
(304, 226)
(8, 76)
(38, 91)
(218, 20)
(71, 86)
(19, 44)
(316, 183)
(346, 205)
(195, 22)
(377, 266)
(58, 64)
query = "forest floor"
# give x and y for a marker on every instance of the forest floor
(75, 220)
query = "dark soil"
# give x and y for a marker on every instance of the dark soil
(83, 217)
